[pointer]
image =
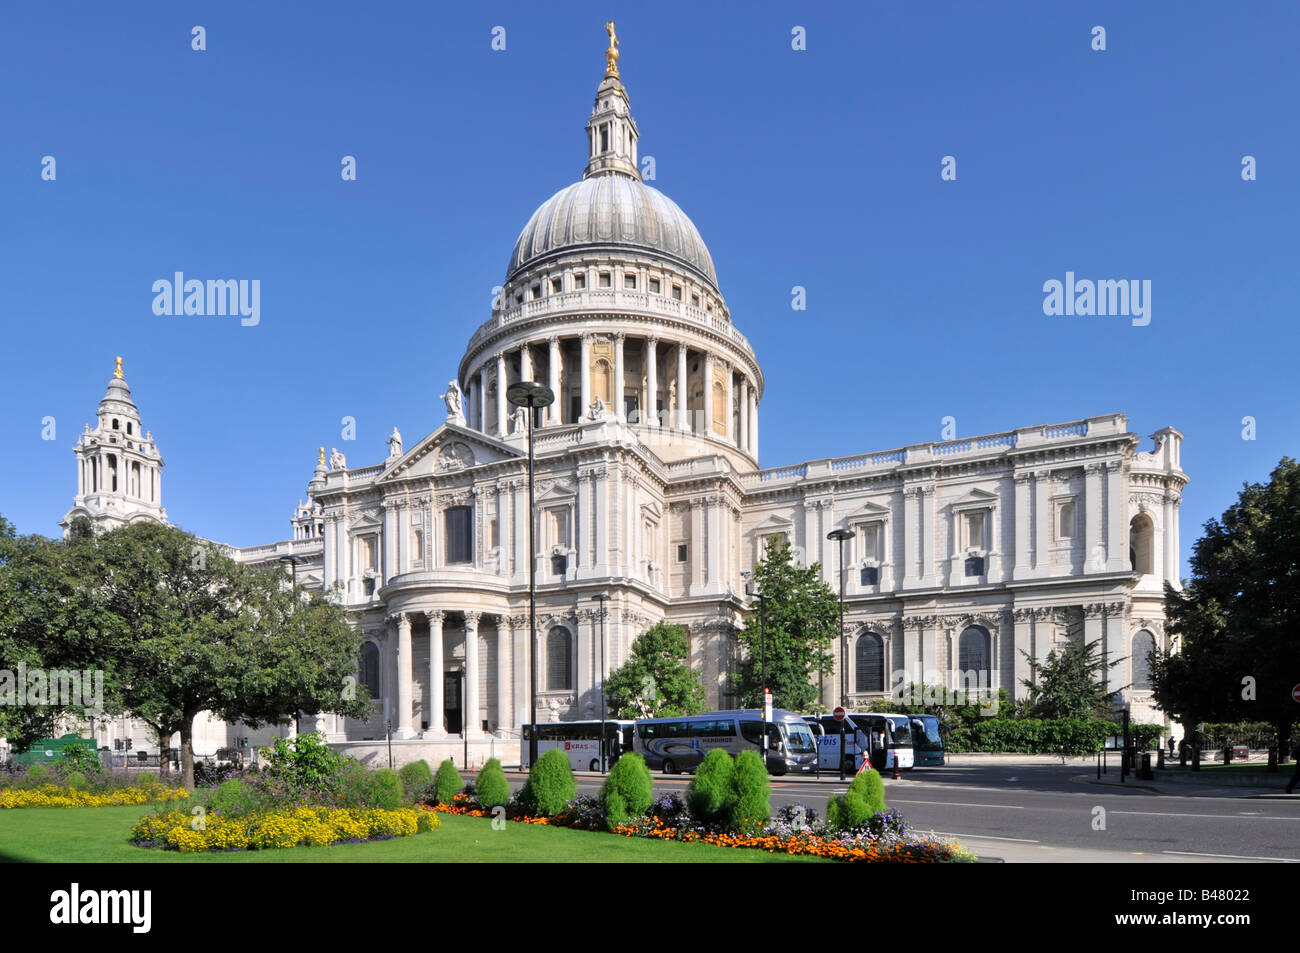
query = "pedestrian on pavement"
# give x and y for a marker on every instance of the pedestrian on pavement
(1171, 744)
(1295, 776)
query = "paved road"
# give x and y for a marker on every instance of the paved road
(1053, 811)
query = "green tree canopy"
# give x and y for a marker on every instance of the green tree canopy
(1069, 683)
(1238, 616)
(657, 679)
(800, 615)
(178, 628)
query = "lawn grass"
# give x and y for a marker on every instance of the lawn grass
(99, 834)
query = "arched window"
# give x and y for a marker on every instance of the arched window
(370, 668)
(870, 658)
(1144, 643)
(973, 653)
(1141, 535)
(559, 660)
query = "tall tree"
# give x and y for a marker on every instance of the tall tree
(1069, 683)
(799, 618)
(181, 628)
(1239, 613)
(657, 679)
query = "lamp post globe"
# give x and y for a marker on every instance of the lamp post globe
(531, 395)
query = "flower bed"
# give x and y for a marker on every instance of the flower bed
(270, 830)
(53, 795)
(885, 840)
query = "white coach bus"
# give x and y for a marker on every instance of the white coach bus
(581, 740)
(680, 744)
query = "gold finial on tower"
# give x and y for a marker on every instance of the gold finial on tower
(321, 461)
(611, 54)
(117, 371)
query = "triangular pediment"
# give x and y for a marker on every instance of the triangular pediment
(449, 449)
(975, 497)
(868, 510)
(775, 522)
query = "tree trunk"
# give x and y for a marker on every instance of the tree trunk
(187, 753)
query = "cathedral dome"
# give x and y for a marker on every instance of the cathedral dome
(606, 210)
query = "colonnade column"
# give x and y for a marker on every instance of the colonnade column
(525, 363)
(650, 415)
(470, 720)
(708, 394)
(505, 673)
(1116, 524)
(727, 429)
(404, 692)
(586, 375)
(753, 424)
(683, 422)
(616, 392)
(742, 438)
(437, 701)
(482, 399)
(555, 412)
(501, 394)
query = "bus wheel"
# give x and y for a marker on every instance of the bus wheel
(594, 766)
(669, 767)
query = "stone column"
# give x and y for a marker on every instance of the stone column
(927, 533)
(742, 438)
(554, 413)
(650, 416)
(911, 536)
(707, 371)
(1093, 628)
(403, 538)
(519, 528)
(616, 392)
(1042, 523)
(502, 413)
(586, 375)
(1024, 522)
(729, 410)
(404, 673)
(505, 673)
(1116, 524)
(525, 363)
(683, 418)
(1114, 648)
(753, 425)
(437, 699)
(482, 399)
(1093, 559)
(472, 720)
(1023, 626)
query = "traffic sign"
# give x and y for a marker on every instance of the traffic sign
(1295, 694)
(839, 713)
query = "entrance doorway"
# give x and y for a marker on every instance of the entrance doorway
(452, 706)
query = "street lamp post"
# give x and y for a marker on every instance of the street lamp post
(293, 561)
(602, 598)
(531, 395)
(842, 536)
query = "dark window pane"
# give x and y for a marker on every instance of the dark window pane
(870, 663)
(460, 534)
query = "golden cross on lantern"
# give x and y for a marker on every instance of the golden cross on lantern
(611, 54)
(117, 371)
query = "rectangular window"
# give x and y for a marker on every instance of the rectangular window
(494, 533)
(975, 531)
(654, 286)
(557, 285)
(975, 566)
(677, 292)
(695, 300)
(579, 281)
(460, 534)
(870, 576)
(871, 541)
(681, 552)
(629, 282)
(606, 280)
(1065, 520)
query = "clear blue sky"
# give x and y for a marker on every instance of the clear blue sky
(817, 168)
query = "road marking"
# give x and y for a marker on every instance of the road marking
(1015, 840)
(1254, 817)
(1005, 807)
(1013, 779)
(1192, 853)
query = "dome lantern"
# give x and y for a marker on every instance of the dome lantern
(611, 130)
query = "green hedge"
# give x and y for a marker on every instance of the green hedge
(1040, 736)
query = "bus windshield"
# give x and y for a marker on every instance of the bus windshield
(927, 733)
(902, 733)
(799, 738)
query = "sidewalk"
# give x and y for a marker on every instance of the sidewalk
(997, 851)
(1199, 784)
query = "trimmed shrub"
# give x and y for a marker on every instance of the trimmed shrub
(232, 799)
(864, 799)
(389, 793)
(628, 790)
(491, 788)
(448, 782)
(550, 786)
(751, 800)
(416, 777)
(710, 791)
